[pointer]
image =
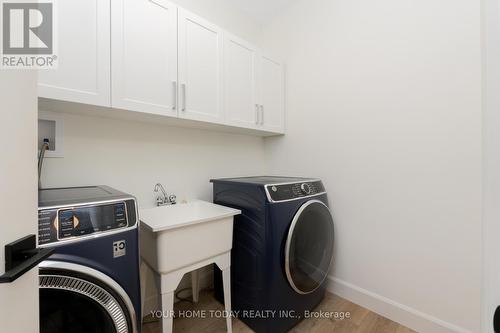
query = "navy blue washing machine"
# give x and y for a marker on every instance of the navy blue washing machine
(282, 248)
(91, 282)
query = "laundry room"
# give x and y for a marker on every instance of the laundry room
(250, 166)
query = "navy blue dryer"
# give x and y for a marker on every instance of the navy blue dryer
(282, 248)
(91, 282)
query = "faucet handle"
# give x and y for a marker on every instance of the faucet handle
(172, 198)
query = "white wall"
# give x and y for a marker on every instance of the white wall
(491, 158)
(133, 156)
(384, 104)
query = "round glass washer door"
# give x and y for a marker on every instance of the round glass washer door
(70, 304)
(309, 247)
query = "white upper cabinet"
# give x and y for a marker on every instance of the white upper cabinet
(144, 56)
(152, 56)
(253, 87)
(240, 95)
(271, 86)
(83, 73)
(200, 68)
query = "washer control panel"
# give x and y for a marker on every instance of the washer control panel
(284, 192)
(64, 223)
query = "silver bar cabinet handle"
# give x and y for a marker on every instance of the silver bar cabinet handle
(174, 95)
(183, 86)
(256, 114)
(262, 114)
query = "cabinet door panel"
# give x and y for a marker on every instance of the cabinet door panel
(240, 99)
(83, 72)
(200, 68)
(272, 92)
(144, 56)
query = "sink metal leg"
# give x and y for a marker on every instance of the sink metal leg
(167, 303)
(226, 277)
(195, 285)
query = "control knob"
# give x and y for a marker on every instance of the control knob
(306, 188)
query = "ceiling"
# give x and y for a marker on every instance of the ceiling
(261, 11)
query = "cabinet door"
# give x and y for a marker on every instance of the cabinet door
(83, 51)
(200, 69)
(272, 92)
(144, 56)
(240, 95)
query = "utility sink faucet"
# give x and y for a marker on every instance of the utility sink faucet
(163, 199)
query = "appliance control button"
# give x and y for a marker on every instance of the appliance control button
(306, 188)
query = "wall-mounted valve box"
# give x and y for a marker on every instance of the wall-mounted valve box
(50, 127)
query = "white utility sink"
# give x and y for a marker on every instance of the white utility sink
(185, 233)
(181, 238)
(184, 214)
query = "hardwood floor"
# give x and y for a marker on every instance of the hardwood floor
(361, 320)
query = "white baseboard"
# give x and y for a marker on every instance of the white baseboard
(402, 314)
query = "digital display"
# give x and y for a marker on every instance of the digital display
(87, 220)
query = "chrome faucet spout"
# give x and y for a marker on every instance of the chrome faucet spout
(164, 198)
(159, 187)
